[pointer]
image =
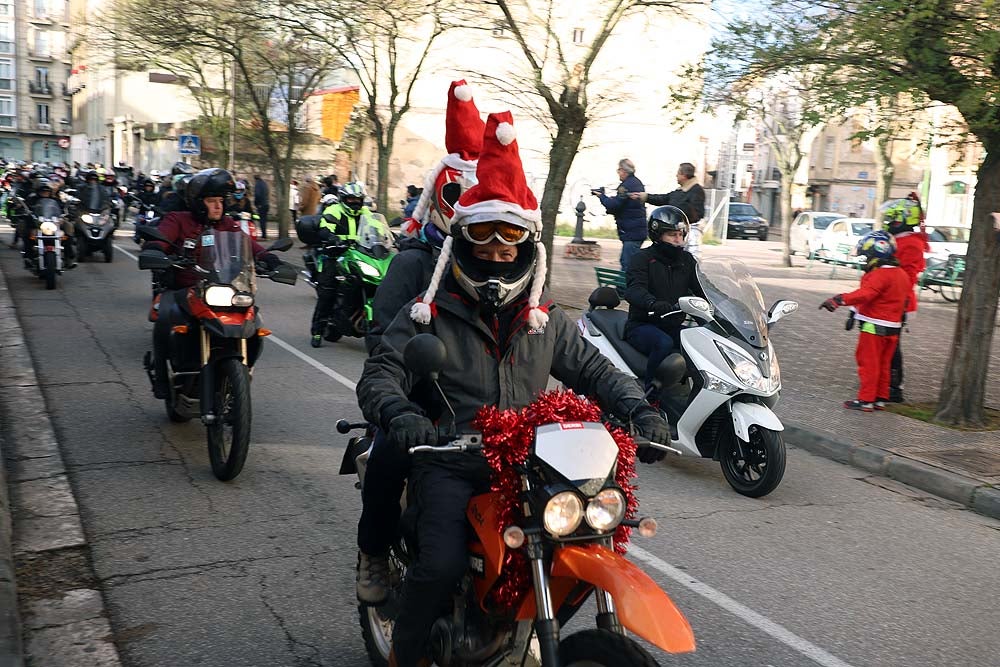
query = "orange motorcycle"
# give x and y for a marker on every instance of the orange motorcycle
(561, 544)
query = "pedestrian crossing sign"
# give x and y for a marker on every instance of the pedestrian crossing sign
(189, 144)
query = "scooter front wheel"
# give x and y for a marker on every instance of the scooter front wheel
(754, 468)
(229, 435)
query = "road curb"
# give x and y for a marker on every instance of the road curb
(46, 517)
(972, 493)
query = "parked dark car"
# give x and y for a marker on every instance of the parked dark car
(745, 222)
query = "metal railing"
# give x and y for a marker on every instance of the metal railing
(39, 88)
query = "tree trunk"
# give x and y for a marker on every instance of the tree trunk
(384, 153)
(886, 169)
(964, 385)
(564, 149)
(787, 183)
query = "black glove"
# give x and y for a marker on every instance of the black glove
(652, 426)
(661, 308)
(597, 191)
(833, 303)
(410, 429)
(271, 261)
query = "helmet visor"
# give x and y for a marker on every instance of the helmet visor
(481, 233)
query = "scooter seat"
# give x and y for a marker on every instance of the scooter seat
(611, 323)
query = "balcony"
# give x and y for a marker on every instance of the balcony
(35, 54)
(43, 126)
(66, 90)
(37, 88)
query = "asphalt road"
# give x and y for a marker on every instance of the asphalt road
(833, 568)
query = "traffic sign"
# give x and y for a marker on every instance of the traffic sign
(189, 144)
(63, 142)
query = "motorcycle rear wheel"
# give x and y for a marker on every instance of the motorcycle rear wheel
(229, 436)
(50, 270)
(760, 469)
(602, 648)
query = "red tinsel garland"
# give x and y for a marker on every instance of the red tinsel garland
(507, 438)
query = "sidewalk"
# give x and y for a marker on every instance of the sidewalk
(818, 375)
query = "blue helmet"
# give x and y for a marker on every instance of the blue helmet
(876, 247)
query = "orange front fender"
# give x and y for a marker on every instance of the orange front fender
(642, 607)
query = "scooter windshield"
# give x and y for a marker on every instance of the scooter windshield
(373, 236)
(46, 207)
(737, 300)
(226, 258)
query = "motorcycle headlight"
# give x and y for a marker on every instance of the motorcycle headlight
(563, 513)
(219, 295)
(745, 369)
(87, 218)
(243, 300)
(606, 510)
(369, 270)
(48, 228)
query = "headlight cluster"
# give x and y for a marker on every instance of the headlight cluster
(48, 228)
(369, 270)
(87, 218)
(565, 511)
(224, 295)
(747, 371)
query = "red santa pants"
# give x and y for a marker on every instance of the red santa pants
(874, 357)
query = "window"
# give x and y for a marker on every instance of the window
(498, 28)
(41, 43)
(6, 7)
(41, 8)
(6, 74)
(6, 37)
(578, 35)
(6, 111)
(43, 114)
(42, 77)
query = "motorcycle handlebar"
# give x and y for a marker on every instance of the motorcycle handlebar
(643, 442)
(472, 442)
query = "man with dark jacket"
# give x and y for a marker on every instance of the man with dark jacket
(504, 339)
(657, 278)
(690, 198)
(262, 202)
(630, 214)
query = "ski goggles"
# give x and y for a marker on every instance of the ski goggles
(507, 233)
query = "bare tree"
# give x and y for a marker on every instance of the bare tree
(385, 43)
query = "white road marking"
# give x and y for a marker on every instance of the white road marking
(751, 617)
(126, 252)
(762, 623)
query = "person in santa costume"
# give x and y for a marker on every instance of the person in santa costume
(406, 278)
(879, 305)
(504, 338)
(903, 218)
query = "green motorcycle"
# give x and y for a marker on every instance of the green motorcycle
(361, 265)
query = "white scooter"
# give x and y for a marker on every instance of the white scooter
(720, 389)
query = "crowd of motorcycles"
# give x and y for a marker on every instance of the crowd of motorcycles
(718, 390)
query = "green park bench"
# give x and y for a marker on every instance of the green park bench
(610, 277)
(945, 279)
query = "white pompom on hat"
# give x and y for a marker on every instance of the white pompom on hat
(501, 193)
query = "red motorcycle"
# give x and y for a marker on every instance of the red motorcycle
(217, 338)
(560, 550)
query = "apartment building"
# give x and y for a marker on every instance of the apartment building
(35, 108)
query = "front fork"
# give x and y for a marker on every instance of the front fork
(546, 624)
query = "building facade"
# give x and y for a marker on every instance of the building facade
(35, 111)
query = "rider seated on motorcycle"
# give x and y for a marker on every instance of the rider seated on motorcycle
(504, 339)
(238, 202)
(338, 222)
(93, 196)
(147, 195)
(205, 196)
(172, 198)
(44, 190)
(657, 277)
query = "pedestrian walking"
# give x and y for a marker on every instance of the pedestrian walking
(688, 197)
(262, 202)
(879, 305)
(293, 200)
(629, 213)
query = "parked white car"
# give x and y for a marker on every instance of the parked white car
(806, 229)
(947, 240)
(839, 239)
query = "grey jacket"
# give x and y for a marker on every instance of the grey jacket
(478, 373)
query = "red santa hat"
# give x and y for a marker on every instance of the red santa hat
(463, 138)
(501, 193)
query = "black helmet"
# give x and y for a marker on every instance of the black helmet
(213, 182)
(666, 219)
(43, 185)
(181, 168)
(91, 175)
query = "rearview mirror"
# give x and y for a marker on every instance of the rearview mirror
(153, 259)
(281, 245)
(286, 274)
(697, 307)
(780, 309)
(425, 355)
(150, 233)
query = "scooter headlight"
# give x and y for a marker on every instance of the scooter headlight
(606, 510)
(87, 218)
(369, 270)
(219, 295)
(48, 228)
(563, 513)
(745, 369)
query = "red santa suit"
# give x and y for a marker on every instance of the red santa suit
(879, 304)
(910, 249)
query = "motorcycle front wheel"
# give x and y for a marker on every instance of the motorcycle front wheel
(753, 468)
(229, 435)
(602, 648)
(377, 622)
(109, 249)
(50, 270)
